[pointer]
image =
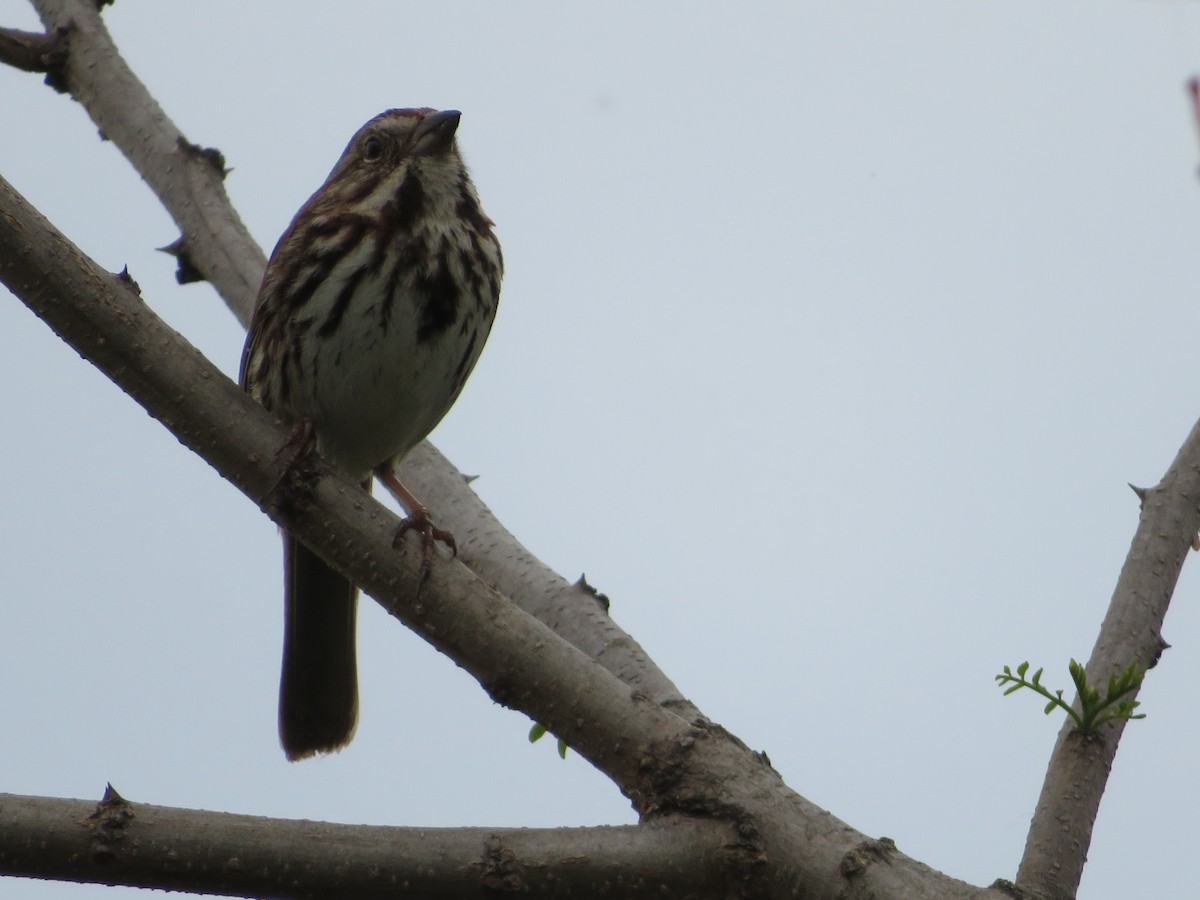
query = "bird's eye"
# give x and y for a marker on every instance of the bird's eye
(372, 149)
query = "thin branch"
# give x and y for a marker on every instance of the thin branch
(32, 51)
(570, 609)
(187, 178)
(138, 845)
(1061, 830)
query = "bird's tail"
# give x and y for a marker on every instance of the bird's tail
(318, 691)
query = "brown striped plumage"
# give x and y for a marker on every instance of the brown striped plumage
(373, 311)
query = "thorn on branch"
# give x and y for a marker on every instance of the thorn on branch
(1158, 652)
(1193, 89)
(110, 798)
(31, 51)
(127, 280)
(1140, 492)
(210, 155)
(601, 599)
(186, 273)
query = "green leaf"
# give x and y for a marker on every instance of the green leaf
(536, 733)
(1094, 709)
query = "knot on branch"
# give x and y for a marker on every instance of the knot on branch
(502, 870)
(211, 155)
(857, 861)
(1007, 887)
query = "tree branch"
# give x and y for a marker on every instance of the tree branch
(138, 845)
(470, 622)
(33, 52)
(666, 764)
(216, 245)
(188, 179)
(1061, 830)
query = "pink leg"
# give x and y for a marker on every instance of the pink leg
(418, 520)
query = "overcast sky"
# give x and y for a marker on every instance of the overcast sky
(830, 338)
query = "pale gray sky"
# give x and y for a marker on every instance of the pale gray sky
(831, 335)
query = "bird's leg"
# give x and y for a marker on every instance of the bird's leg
(418, 520)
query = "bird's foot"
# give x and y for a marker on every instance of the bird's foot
(302, 440)
(419, 521)
(294, 487)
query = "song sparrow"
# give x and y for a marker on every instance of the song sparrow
(374, 308)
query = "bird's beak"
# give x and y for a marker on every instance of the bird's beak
(435, 134)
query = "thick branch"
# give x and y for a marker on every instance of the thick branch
(666, 764)
(514, 656)
(137, 845)
(216, 245)
(1061, 830)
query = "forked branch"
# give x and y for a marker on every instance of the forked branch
(215, 246)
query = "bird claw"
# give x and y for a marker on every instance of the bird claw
(302, 440)
(419, 521)
(293, 483)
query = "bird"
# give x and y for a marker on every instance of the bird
(373, 310)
